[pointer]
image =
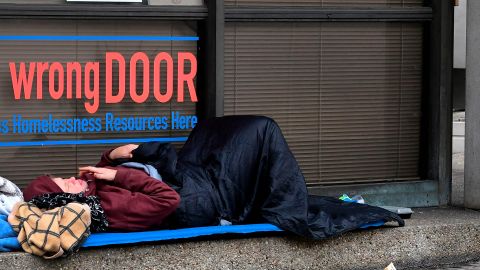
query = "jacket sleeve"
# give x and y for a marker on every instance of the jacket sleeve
(105, 160)
(145, 201)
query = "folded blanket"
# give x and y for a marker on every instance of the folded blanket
(10, 194)
(53, 233)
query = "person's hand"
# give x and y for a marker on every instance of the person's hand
(99, 173)
(124, 151)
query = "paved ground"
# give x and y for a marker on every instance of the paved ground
(433, 236)
(457, 179)
(459, 116)
(458, 162)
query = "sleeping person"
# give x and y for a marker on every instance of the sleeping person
(233, 169)
(131, 199)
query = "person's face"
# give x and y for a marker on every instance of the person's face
(70, 185)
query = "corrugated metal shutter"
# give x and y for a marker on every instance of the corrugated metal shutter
(22, 164)
(327, 3)
(346, 95)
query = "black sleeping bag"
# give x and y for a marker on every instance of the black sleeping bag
(240, 169)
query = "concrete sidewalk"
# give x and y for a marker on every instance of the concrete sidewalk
(458, 184)
(458, 163)
(431, 237)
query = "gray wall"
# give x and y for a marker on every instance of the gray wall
(472, 125)
(459, 35)
(459, 47)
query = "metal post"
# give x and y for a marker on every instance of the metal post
(438, 114)
(211, 62)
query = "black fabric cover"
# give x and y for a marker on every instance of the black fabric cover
(240, 168)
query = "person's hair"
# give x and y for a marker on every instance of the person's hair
(50, 175)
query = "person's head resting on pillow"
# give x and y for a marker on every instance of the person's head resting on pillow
(51, 184)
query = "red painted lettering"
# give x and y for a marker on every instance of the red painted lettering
(41, 67)
(109, 58)
(163, 56)
(71, 67)
(55, 93)
(92, 94)
(188, 78)
(21, 81)
(139, 56)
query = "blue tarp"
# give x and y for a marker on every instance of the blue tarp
(8, 238)
(102, 239)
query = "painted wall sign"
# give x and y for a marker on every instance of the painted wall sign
(112, 77)
(78, 77)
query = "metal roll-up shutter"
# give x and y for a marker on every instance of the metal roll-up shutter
(327, 3)
(346, 95)
(22, 164)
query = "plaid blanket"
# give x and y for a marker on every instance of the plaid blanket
(53, 233)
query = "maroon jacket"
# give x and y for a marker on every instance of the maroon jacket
(133, 201)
